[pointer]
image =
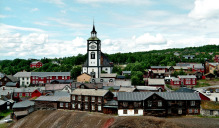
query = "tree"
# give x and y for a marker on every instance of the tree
(76, 71)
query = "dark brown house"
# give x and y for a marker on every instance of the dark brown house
(9, 78)
(158, 103)
(92, 100)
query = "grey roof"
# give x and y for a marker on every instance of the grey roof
(22, 74)
(183, 89)
(151, 88)
(11, 84)
(45, 74)
(21, 113)
(105, 75)
(156, 82)
(2, 74)
(120, 77)
(168, 78)
(34, 62)
(114, 87)
(138, 96)
(126, 72)
(23, 104)
(158, 71)
(175, 79)
(5, 92)
(89, 85)
(2, 102)
(61, 93)
(13, 79)
(186, 76)
(29, 89)
(158, 66)
(102, 80)
(62, 81)
(90, 92)
(127, 89)
(123, 82)
(56, 86)
(180, 67)
(54, 98)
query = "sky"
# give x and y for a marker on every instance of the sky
(60, 28)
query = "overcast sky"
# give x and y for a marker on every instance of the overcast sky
(60, 28)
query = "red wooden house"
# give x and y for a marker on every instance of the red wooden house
(188, 80)
(175, 81)
(36, 64)
(216, 58)
(47, 77)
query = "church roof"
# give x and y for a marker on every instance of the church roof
(106, 62)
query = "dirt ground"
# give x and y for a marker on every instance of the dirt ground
(77, 119)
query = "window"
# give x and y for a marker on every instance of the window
(62, 77)
(99, 99)
(50, 77)
(92, 55)
(79, 98)
(23, 78)
(124, 111)
(190, 110)
(61, 105)
(56, 77)
(180, 103)
(193, 81)
(125, 104)
(93, 107)
(137, 104)
(86, 106)
(66, 105)
(179, 111)
(159, 103)
(86, 98)
(73, 97)
(196, 110)
(169, 111)
(99, 108)
(136, 111)
(73, 105)
(192, 103)
(211, 112)
(47, 77)
(93, 99)
(15, 94)
(169, 103)
(33, 82)
(36, 77)
(20, 94)
(65, 77)
(27, 94)
(79, 106)
(149, 103)
(47, 81)
(41, 77)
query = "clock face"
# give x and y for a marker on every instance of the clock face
(93, 47)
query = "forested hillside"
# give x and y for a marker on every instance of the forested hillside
(138, 61)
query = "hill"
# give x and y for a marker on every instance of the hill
(76, 119)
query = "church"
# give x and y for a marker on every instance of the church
(96, 62)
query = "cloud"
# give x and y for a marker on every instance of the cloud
(147, 38)
(34, 10)
(8, 9)
(204, 9)
(3, 16)
(8, 28)
(136, 2)
(60, 3)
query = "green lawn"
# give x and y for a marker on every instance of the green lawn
(5, 113)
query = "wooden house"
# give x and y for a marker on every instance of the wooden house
(9, 78)
(158, 103)
(91, 100)
(156, 83)
(209, 108)
(84, 78)
(188, 80)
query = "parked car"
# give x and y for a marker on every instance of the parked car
(204, 90)
(217, 90)
(7, 120)
(211, 90)
(208, 93)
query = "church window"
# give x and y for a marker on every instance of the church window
(92, 55)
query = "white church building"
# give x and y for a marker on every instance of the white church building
(96, 61)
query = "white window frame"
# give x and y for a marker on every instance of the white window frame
(190, 110)
(179, 111)
(93, 99)
(196, 110)
(73, 105)
(73, 97)
(149, 103)
(56, 77)
(93, 107)
(79, 106)
(192, 103)
(86, 98)
(20, 94)
(160, 104)
(99, 108)
(62, 77)
(66, 105)
(79, 99)
(27, 94)
(15, 94)
(61, 105)
(99, 99)
(86, 106)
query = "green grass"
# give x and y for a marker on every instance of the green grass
(5, 125)
(5, 113)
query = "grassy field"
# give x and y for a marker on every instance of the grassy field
(5, 113)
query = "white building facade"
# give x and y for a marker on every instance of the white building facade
(96, 62)
(23, 77)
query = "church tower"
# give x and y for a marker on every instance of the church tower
(96, 60)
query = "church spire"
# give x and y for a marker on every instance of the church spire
(93, 32)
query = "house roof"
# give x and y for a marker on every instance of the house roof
(35, 62)
(29, 89)
(89, 85)
(55, 86)
(127, 89)
(156, 82)
(113, 75)
(184, 89)
(13, 79)
(150, 88)
(61, 93)
(62, 81)
(158, 71)
(120, 77)
(23, 104)
(22, 74)
(2, 102)
(54, 98)
(5, 92)
(2, 74)
(138, 96)
(45, 74)
(114, 87)
(21, 113)
(158, 66)
(101, 80)
(90, 92)
(11, 84)
(180, 67)
(126, 72)
(123, 83)
(210, 105)
(186, 76)
(175, 79)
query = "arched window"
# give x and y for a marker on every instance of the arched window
(92, 55)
